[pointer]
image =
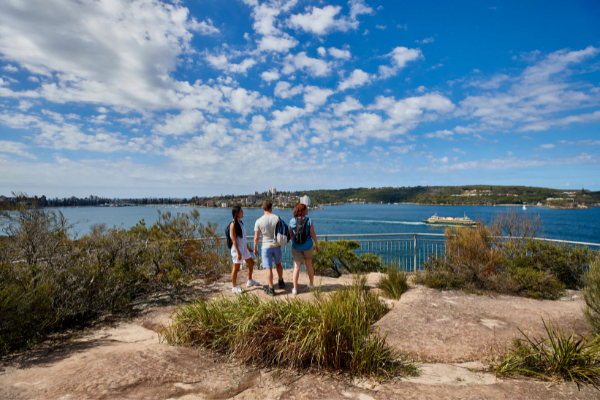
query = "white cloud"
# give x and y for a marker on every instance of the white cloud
(270, 75)
(357, 78)
(441, 134)
(10, 68)
(221, 62)
(400, 56)
(322, 52)
(459, 151)
(24, 105)
(102, 110)
(405, 27)
(412, 110)
(258, 124)
(492, 83)
(547, 146)
(286, 91)
(348, 105)
(33, 79)
(402, 149)
(340, 54)
(532, 99)
(15, 148)
(204, 27)
(426, 40)
(382, 27)
(301, 61)
(572, 119)
(110, 53)
(186, 122)
(243, 101)
(321, 21)
(278, 44)
(285, 116)
(316, 96)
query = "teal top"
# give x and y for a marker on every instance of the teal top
(309, 242)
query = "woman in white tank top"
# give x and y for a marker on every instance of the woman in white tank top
(240, 251)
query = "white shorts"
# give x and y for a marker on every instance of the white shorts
(245, 254)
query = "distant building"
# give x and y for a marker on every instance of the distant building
(273, 191)
(251, 199)
(305, 200)
(224, 204)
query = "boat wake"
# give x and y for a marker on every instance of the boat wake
(374, 221)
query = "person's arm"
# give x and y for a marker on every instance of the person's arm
(256, 239)
(233, 236)
(313, 235)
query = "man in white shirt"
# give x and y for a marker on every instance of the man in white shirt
(270, 253)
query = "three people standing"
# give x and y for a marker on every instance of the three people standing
(303, 236)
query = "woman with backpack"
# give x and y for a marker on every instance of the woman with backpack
(303, 238)
(240, 251)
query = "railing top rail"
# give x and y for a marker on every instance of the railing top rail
(382, 234)
(560, 241)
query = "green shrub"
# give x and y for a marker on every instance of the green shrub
(557, 356)
(50, 282)
(331, 332)
(393, 283)
(338, 257)
(591, 295)
(475, 260)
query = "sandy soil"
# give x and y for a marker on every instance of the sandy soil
(450, 331)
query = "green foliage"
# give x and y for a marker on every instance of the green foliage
(476, 259)
(393, 283)
(330, 332)
(591, 295)
(556, 356)
(50, 282)
(338, 257)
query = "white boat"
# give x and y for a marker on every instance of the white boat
(524, 208)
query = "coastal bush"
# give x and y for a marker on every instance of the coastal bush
(331, 332)
(480, 260)
(393, 283)
(338, 257)
(50, 282)
(591, 295)
(556, 356)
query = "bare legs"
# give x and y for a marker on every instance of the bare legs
(309, 270)
(270, 274)
(236, 268)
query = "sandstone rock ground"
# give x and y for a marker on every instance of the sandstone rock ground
(451, 331)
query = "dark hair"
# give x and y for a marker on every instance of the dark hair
(299, 210)
(236, 223)
(267, 205)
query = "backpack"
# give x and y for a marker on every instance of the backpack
(228, 235)
(281, 236)
(301, 234)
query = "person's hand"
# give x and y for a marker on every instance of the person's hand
(255, 252)
(317, 249)
(239, 255)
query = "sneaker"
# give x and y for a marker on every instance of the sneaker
(252, 282)
(281, 284)
(269, 291)
(308, 287)
(237, 290)
(294, 292)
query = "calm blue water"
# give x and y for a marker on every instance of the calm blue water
(576, 225)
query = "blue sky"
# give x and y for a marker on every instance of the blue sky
(182, 98)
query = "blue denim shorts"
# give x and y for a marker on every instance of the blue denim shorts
(270, 256)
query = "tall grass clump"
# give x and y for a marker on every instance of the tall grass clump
(591, 295)
(50, 281)
(505, 258)
(393, 283)
(331, 332)
(556, 356)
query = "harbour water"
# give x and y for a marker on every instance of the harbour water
(574, 225)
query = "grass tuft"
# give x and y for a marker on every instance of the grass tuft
(332, 332)
(393, 283)
(557, 356)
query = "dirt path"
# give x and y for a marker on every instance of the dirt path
(126, 361)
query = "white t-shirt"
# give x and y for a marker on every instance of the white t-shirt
(266, 226)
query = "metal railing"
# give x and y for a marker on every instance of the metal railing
(404, 251)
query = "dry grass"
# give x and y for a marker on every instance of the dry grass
(331, 332)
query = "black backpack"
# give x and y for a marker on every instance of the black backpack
(228, 234)
(301, 232)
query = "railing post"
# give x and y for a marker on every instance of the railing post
(415, 248)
